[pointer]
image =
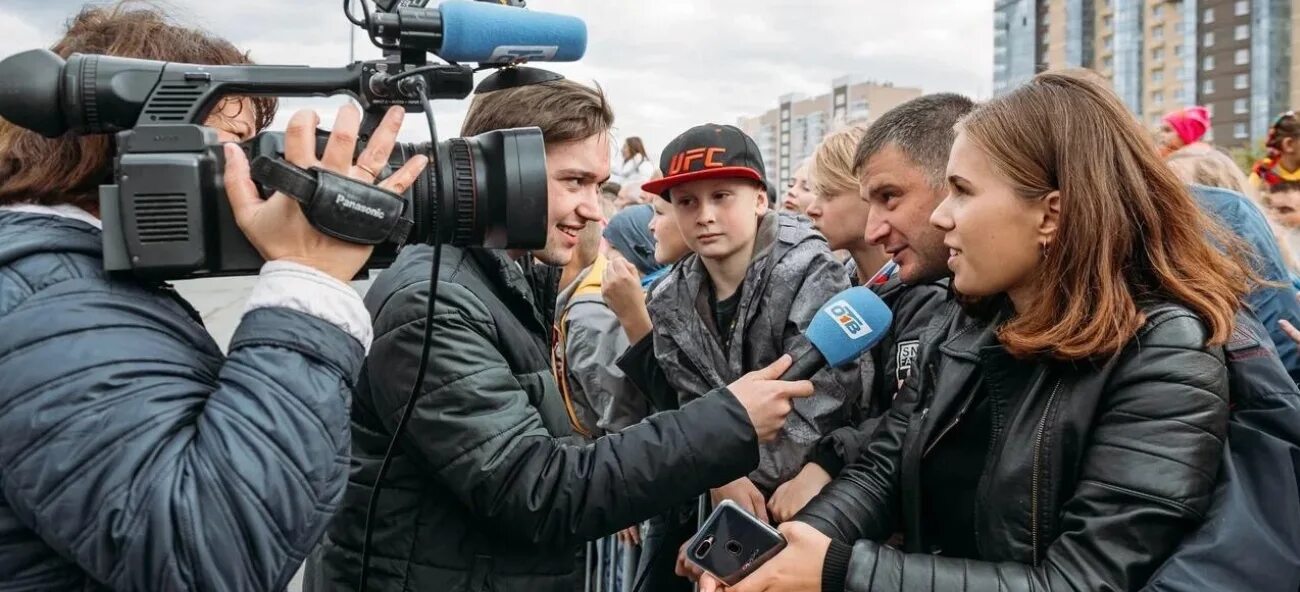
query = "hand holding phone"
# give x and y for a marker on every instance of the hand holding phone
(733, 543)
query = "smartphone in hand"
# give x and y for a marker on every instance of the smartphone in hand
(733, 543)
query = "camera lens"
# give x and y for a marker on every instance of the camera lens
(486, 191)
(733, 547)
(702, 549)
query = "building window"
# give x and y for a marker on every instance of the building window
(1240, 81)
(1108, 62)
(1239, 106)
(1179, 95)
(1207, 64)
(1107, 21)
(1241, 32)
(1158, 55)
(1242, 7)
(1209, 108)
(1242, 57)
(1158, 11)
(1158, 76)
(1209, 136)
(1178, 50)
(1207, 87)
(1158, 97)
(1158, 32)
(1209, 16)
(1109, 42)
(1209, 40)
(1238, 130)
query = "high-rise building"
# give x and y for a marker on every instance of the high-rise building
(1233, 56)
(789, 133)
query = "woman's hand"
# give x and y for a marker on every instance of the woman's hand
(745, 494)
(277, 227)
(794, 494)
(797, 568)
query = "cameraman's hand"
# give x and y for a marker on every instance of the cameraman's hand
(766, 399)
(277, 226)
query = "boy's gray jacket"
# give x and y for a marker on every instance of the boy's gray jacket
(793, 273)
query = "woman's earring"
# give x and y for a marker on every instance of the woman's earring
(1042, 248)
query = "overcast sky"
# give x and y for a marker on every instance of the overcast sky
(665, 64)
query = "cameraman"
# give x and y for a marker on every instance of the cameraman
(133, 454)
(488, 488)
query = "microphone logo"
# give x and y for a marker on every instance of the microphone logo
(848, 319)
(513, 54)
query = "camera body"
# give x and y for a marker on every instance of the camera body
(166, 215)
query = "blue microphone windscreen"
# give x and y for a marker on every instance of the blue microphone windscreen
(488, 33)
(848, 325)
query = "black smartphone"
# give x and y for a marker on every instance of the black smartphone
(733, 543)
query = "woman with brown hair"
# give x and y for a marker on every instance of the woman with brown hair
(134, 454)
(635, 168)
(1065, 427)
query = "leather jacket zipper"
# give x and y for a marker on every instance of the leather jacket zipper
(1038, 449)
(952, 424)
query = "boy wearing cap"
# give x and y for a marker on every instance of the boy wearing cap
(744, 296)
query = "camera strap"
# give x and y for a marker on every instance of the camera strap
(339, 206)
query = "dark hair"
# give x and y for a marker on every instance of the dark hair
(1130, 228)
(1286, 125)
(634, 147)
(69, 169)
(565, 110)
(922, 129)
(1284, 187)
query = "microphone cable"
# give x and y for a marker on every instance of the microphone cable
(424, 348)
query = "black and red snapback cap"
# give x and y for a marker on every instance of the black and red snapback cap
(709, 151)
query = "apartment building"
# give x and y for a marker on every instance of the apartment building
(1233, 56)
(791, 131)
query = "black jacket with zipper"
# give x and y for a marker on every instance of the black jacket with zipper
(914, 307)
(488, 490)
(1094, 476)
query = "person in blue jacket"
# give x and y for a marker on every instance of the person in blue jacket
(134, 455)
(1273, 300)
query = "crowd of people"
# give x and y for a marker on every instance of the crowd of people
(1089, 382)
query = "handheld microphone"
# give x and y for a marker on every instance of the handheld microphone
(848, 325)
(488, 33)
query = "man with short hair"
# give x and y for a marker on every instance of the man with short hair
(900, 162)
(488, 490)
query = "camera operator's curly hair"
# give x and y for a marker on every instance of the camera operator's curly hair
(70, 168)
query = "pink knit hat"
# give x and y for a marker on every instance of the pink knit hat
(1190, 123)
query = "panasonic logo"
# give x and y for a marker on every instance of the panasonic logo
(351, 204)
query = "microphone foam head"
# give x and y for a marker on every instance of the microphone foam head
(490, 33)
(849, 324)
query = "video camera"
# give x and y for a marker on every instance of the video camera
(166, 215)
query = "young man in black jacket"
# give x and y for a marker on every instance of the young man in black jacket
(488, 490)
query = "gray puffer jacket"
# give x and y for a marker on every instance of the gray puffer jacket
(793, 273)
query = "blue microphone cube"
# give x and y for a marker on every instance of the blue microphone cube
(849, 324)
